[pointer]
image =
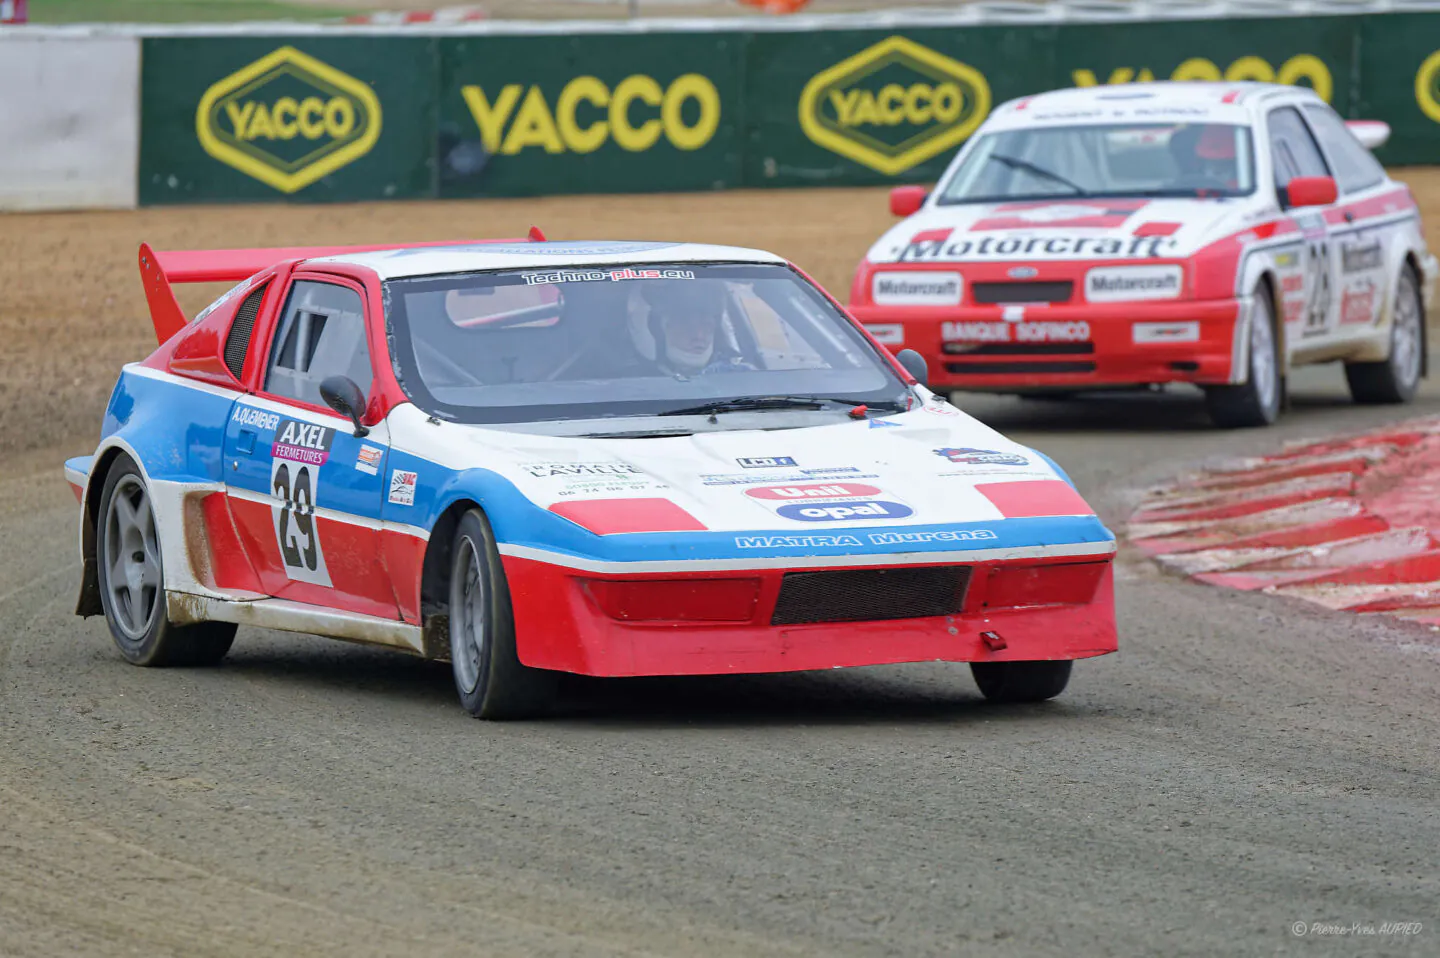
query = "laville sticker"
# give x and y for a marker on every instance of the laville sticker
(894, 105)
(288, 119)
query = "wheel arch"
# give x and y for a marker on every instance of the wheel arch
(1412, 263)
(435, 577)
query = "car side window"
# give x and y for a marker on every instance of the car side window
(1355, 167)
(1293, 150)
(321, 334)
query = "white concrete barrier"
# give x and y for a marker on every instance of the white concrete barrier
(69, 121)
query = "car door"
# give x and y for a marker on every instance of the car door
(305, 493)
(1362, 228)
(1294, 153)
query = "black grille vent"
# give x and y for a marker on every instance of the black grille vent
(1018, 349)
(1019, 366)
(868, 595)
(1056, 291)
(237, 344)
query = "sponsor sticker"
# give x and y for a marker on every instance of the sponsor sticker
(796, 542)
(829, 490)
(1021, 332)
(550, 470)
(867, 510)
(939, 407)
(367, 460)
(300, 441)
(940, 246)
(942, 535)
(887, 334)
(1357, 303)
(766, 462)
(916, 288)
(402, 487)
(259, 418)
(884, 424)
(802, 475)
(1032, 213)
(1114, 284)
(1361, 258)
(602, 275)
(982, 457)
(293, 487)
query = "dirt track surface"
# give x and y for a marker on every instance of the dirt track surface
(1243, 764)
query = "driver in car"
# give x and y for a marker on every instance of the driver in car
(1204, 155)
(675, 328)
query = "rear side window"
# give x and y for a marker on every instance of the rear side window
(321, 334)
(1293, 149)
(1355, 167)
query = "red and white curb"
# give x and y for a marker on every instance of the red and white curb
(1350, 523)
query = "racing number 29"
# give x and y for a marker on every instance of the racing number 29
(298, 510)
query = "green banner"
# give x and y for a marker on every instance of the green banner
(305, 118)
(616, 113)
(873, 106)
(1400, 83)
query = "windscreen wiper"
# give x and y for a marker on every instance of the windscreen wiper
(1015, 163)
(751, 403)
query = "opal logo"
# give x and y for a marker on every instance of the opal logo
(288, 119)
(873, 509)
(894, 105)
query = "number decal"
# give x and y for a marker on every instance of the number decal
(293, 486)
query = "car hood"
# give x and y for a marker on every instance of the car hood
(930, 467)
(1064, 229)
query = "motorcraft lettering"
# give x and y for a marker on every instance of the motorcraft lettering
(1123, 283)
(913, 288)
(937, 246)
(302, 442)
(602, 275)
(259, 418)
(870, 510)
(1023, 332)
(982, 457)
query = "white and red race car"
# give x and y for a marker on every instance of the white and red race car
(1208, 233)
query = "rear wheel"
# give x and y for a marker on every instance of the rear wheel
(1255, 402)
(1395, 379)
(490, 678)
(132, 581)
(1021, 681)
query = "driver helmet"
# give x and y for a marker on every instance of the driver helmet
(1206, 147)
(675, 322)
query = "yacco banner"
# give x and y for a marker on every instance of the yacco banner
(266, 118)
(877, 106)
(1400, 83)
(617, 113)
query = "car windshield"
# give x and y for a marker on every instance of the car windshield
(591, 342)
(1118, 159)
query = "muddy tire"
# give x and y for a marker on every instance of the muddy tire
(1257, 401)
(490, 679)
(1395, 379)
(132, 581)
(1021, 681)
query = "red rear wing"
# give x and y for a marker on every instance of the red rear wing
(160, 269)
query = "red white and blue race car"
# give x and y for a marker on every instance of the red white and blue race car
(601, 458)
(1217, 234)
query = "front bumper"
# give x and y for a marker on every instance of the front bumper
(559, 624)
(1075, 345)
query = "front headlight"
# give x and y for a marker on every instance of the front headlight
(1116, 284)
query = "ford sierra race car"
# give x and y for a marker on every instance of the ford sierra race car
(1216, 234)
(606, 458)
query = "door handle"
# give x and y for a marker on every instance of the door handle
(245, 442)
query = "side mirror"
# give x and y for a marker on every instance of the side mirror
(1372, 134)
(905, 200)
(1309, 191)
(342, 395)
(914, 364)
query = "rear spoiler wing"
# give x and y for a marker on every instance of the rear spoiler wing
(161, 269)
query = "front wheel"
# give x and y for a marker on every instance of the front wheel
(132, 581)
(1021, 681)
(1255, 402)
(490, 678)
(1395, 379)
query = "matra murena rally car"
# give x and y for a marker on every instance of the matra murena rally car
(1216, 234)
(612, 459)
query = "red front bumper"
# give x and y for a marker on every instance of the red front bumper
(562, 623)
(1119, 349)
